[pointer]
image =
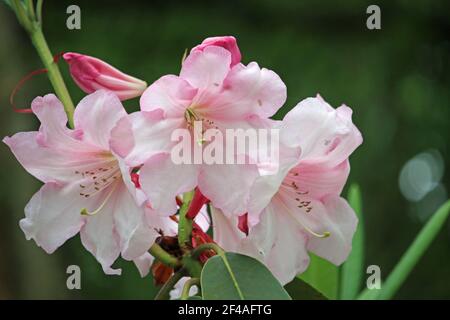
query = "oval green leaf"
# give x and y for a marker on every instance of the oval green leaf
(233, 276)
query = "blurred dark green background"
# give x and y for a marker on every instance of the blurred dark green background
(395, 79)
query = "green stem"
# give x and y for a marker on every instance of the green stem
(187, 287)
(39, 11)
(31, 21)
(185, 224)
(164, 293)
(196, 269)
(163, 256)
(30, 9)
(56, 79)
(207, 246)
(193, 266)
(22, 15)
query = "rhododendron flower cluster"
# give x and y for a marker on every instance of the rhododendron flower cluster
(112, 179)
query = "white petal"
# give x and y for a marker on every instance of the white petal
(53, 215)
(327, 136)
(217, 182)
(341, 221)
(100, 238)
(143, 264)
(162, 181)
(131, 225)
(96, 115)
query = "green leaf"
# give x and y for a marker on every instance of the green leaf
(352, 270)
(322, 276)
(411, 256)
(300, 290)
(232, 276)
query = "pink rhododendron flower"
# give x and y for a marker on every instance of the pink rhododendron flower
(92, 74)
(86, 189)
(227, 42)
(302, 211)
(220, 95)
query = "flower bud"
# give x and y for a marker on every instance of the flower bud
(92, 74)
(226, 42)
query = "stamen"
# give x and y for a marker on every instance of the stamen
(100, 181)
(88, 168)
(326, 234)
(85, 212)
(190, 116)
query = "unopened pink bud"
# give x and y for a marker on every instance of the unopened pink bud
(92, 74)
(226, 42)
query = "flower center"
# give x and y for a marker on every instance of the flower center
(101, 176)
(98, 177)
(198, 124)
(290, 182)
